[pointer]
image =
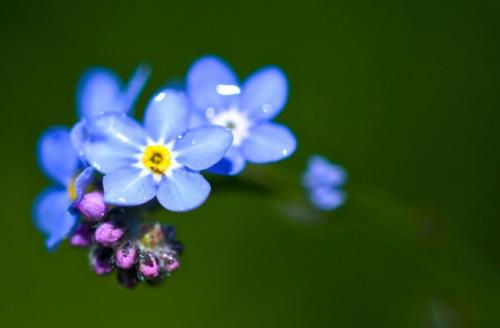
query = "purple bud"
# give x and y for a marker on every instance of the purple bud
(128, 278)
(82, 237)
(172, 265)
(148, 266)
(107, 234)
(101, 260)
(126, 255)
(92, 206)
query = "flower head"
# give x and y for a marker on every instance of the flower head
(161, 159)
(217, 98)
(101, 91)
(322, 181)
(59, 161)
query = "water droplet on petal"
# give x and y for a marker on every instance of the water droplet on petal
(210, 112)
(160, 96)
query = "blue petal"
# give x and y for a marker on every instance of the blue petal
(118, 129)
(98, 92)
(128, 187)
(327, 199)
(114, 141)
(183, 190)
(201, 148)
(268, 143)
(78, 136)
(320, 172)
(51, 216)
(232, 163)
(107, 157)
(134, 87)
(82, 182)
(167, 115)
(56, 155)
(197, 119)
(264, 93)
(212, 84)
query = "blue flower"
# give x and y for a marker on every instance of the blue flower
(162, 159)
(322, 180)
(101, 91)
(218, 99)
(60, 163)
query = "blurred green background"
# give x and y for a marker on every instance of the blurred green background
(404, 94)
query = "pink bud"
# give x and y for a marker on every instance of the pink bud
(101, 261)
(107, 234)
(82, 237)
(126, 255)
(149, 267)
(92, 206)
(172, 265)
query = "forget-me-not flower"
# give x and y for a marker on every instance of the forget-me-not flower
(161, 159)
(99, 91)
(322, 181)
(60, 163)
(218, 99)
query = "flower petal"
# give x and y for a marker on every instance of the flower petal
(232, 163)
(320, 172)
(327, 199)
(56, 155)
(212, 84)
(98, 92)
(128, 186)
(269, 143)
(264, 93)
(51, 216)
(201, 148)
(183, 190)
(134, 87)
(78, 136)
(107, 157)
(118, 129)
(82, 181)
(167, 115)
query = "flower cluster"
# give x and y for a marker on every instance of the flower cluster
(322, 181)
(111, 171)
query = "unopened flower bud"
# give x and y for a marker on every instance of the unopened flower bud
(82, 237)
(92, 206)
(107, 234)
(172, 264)
(128, 278)
(126, 255)
(101, 260)
(148, 266)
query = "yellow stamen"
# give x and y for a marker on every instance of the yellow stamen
(157, 158)
(72, 189)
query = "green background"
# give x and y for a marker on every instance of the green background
(404, 94)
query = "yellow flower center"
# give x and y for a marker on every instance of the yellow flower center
(157, 158)
(72, 189)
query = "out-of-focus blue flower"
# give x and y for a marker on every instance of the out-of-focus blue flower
(101, 91)
(160, 159)
(322, 181)
(217, 98)
(60, 163)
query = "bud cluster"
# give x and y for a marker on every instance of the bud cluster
(118, 241)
